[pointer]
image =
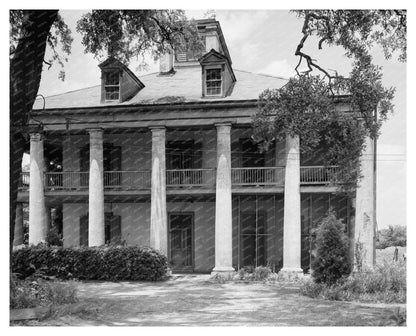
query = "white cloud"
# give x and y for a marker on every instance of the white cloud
(280, 68)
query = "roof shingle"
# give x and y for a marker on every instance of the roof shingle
(184, 86)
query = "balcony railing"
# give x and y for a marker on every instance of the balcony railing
(24, 180)
(264, 176)
(141, 179)
(190, 177)
(320, 174)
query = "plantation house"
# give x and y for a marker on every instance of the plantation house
(166, 160)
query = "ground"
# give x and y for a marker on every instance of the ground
(195, 301)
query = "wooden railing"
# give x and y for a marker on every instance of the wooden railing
(320, 174)
(261, 176)
(66, 180)
(190, 177)
(136, 180)
(24, 180)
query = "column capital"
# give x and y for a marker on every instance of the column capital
(223, 125)
(156, 127)
(36, 136)
(158, 131)
(95, 130)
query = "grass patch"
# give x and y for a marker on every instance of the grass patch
(37, 292)
(386, 284)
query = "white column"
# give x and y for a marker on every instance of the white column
(158, 215)
(96, 230)
(223, 204)
(291, 219)
(37, 209)
(364, 208)
(18, 226)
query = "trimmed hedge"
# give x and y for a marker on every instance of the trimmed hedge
(90, 263)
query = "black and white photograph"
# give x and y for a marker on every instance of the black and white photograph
(206, 167)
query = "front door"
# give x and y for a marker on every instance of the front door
(181, 241)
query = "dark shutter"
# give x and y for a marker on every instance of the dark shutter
(197, 154)
(116, 158)
(115, 230)
(112, 163)
(84, 164)
(85, 158)
(83, 230)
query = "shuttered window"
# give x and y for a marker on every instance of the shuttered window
(112, 229)
(83, 231)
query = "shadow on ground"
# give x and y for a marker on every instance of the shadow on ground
(195, 301)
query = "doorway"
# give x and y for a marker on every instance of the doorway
(181, 241)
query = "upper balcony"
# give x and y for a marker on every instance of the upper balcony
(140, 180)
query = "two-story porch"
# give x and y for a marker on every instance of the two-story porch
(190, 188)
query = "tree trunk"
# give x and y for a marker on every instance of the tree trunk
(25, 74)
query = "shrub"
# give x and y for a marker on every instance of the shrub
(53, 237)
(262, 273)
(31, 293)
(392, 236)
(332, 260)
(90, 263)
(386, 283)
(251, 273)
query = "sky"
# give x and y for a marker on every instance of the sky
(264, 41)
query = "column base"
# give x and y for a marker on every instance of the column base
(226, 273)
(290, 274)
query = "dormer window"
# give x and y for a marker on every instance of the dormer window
(118, 82)
(112, 85)
(217, 75)
(213, 83)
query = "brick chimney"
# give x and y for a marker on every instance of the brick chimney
(212, 41)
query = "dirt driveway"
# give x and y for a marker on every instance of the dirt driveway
(195, 301)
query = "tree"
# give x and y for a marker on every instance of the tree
(356, 31)
(332, 260)
(391, 236)
(298, 107)
(119, 33)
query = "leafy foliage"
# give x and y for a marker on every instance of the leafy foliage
(386, 283)
(306, 105)
(392, 236)
(90, 263)
(366, 93)
(298, 108)
(128, 33)
(59, 37)
(357, 31)
(332, 260)
(35, 292)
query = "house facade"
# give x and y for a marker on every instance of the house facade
(167, 161)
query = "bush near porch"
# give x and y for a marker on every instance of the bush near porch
(386, 283)
(90, 263)
(36, 292)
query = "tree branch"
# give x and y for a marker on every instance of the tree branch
(309, 60)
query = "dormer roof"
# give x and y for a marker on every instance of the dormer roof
(118, 82)
(214, 57)
(113, 63)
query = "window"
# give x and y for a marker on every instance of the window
(213, 82)
(112, 229)
(112, 85)
(112, 163)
